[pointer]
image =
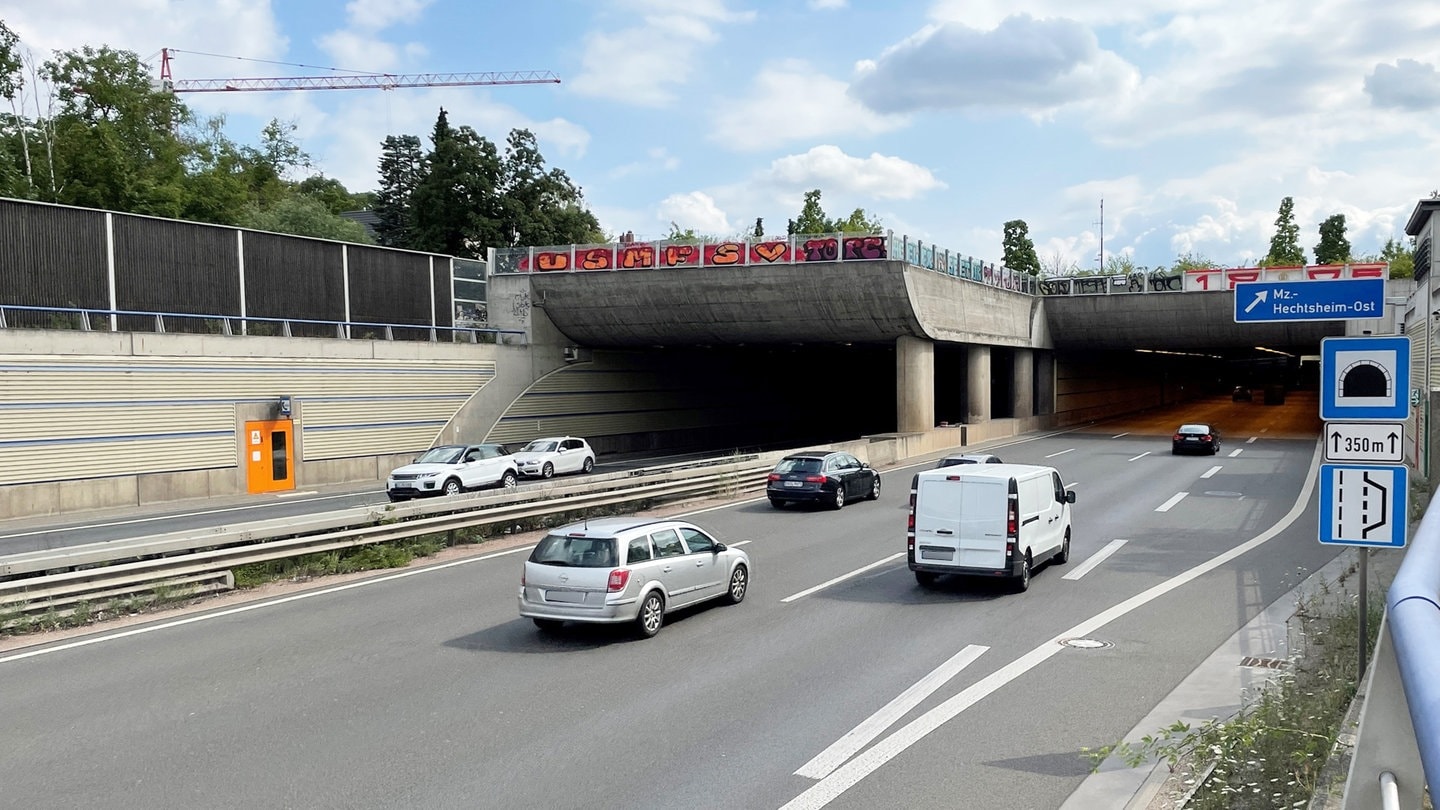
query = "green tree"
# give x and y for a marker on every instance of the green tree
(540, 206)
(1121, 264)
(115, 143)
(304, 216)
(455, 208)
(215, 187)
(812, 217)
(11, 80)
(332, 194)
(1285, 250)
(758, 232)
(1019, 250)
(858, 222)
(1400, 257)
(402, 164)
(1334, 248)
(1193, 261)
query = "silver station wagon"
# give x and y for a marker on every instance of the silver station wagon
(616, 570)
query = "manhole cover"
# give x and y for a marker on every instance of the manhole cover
(1224, 494)
(1086, 643)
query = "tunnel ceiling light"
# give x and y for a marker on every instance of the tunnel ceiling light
(1273, 351)
(1180, 354)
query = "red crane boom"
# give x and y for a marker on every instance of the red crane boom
(364, 81)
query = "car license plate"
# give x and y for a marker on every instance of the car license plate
(794, 483)
(565, 596)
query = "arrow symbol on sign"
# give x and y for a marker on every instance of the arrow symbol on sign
(1259, 299)
(1393, 439)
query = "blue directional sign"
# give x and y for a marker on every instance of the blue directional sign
(1363, 505)
(1327, 300)
(1365, 378)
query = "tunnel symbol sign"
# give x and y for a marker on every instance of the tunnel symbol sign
(1363, 505)
(1365, 378)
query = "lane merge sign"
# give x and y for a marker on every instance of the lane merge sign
(1373, 442)
(1317, 300)
(1363, 505)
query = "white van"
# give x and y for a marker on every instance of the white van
(989, 520)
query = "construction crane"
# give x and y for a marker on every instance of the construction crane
(358, 81)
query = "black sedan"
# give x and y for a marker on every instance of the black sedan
(1195, 438)
(831, 478)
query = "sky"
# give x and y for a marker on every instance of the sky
(1178, 124)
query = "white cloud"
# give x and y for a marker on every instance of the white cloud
(643, 64)
(696, 210)
(827, 5)
(792, 101)
(1022, 64)
(878, 176)
(1407, 84)
(657, 159)
(373, 15)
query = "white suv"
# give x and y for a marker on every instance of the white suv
(451, 469)
(628, 569)
(544, 458)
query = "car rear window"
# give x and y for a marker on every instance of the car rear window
(798, 465)
(1194, 429)
(575, 552)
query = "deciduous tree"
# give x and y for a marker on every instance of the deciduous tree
(1334, 248)
(304, 216)
(1020, 251)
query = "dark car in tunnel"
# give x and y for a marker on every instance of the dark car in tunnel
(1195, 438)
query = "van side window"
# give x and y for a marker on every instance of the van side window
(696, 541)
(1059, 487)
(667, 544)
(639, 550)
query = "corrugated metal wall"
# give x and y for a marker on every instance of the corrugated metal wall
(70, 417)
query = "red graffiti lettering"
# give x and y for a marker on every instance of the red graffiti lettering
(552, 261)
(770, 251)
(595, 259)
(864, 248)
(1367, 270)
(725, 253)
(681, 255)
(633, 256)
(1240, 276)
(821, 250)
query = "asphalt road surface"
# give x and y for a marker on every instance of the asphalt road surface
(838, 681)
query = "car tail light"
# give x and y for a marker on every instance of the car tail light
(619, 578)
(774, 477)
(1177, 437)
(1205, 438)
(522, 578)
(814, 479)
(1012, 513)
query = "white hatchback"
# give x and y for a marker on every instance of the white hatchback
(617, 570)
(557, 455)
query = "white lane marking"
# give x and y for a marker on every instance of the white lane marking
(1251, 440)
(1237, 451)
(847, 775)
(857, 572)
(1119, 435)
(1210, 472)
(857, 738)
(1142, 455)
(1095, 559)
(85, 642)
(1061, 453)
(297, 494)
(725, 506)
(740, 543)
(1174, 499)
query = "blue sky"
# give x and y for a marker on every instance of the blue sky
(1191, 119)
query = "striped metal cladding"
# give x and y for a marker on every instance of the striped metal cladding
(167, 266)
(52, 256)
(103, 413)
(293, 278)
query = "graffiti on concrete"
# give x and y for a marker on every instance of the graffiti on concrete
(520, 306)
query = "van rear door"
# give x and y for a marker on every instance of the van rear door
(961, 522)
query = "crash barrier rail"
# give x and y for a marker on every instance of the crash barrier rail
(60, 580)
(1397, 746)
(85, 320)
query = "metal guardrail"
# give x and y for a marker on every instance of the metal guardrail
(81, 319)
(1397, 746)
(59, 580)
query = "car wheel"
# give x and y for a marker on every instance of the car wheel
(875, 489)
(548, 625)
(1022, 582)
(839, 502)
(1063, 555)
(925, 579)
(739, 583)
(777, 503)
(452, 487)
(652, 615)
(1214, 449)
(589, 466)
(548, 471)
(508, 480)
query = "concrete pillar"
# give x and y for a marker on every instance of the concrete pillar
(914, 384)
(1024, 389)
(977, 385)
(1044, 383)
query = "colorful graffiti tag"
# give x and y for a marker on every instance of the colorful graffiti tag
(647, 255)
(1226, 279)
